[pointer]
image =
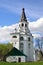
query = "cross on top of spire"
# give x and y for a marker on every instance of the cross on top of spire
(23, 16)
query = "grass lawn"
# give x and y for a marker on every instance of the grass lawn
(26, 63)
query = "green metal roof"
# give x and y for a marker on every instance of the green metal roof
(15, 52)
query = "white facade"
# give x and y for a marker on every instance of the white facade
(16, 59)
(22, 39)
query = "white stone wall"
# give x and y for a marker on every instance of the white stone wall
(26, 50)
(15, 58)
(22, 58)
(15, 41)
(25, 33)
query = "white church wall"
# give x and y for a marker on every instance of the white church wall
(15, 58)
(23, 58)
(26, 49)
(16, 41)
(11, 59)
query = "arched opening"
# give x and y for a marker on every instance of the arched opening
(14, 36)
(22, 24)
(29, 39)
(19, 59)
(21, 38)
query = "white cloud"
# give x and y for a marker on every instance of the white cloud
(5, 33)
(36, 35)
(36, 26)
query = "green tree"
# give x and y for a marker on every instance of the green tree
(5, 48)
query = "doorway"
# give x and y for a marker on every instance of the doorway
(19, 59)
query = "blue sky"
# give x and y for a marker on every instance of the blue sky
(10, 14)
(10, 10)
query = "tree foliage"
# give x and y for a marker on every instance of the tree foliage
(4, 48)
(40, 47)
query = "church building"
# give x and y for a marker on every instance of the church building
(22, 40)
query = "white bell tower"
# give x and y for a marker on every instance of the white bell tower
(23, 39)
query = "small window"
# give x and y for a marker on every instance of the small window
(29, 45)
(25, 25)
(29, 39)
(21, 38)
(21, 47)
(14, 36)
(22, 24)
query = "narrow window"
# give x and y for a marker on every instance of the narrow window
(29, 45)
(22, 24)
(29, 39)
(21, 38)
(21, 47)
(25, 25)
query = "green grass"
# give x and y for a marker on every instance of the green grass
(26, 63)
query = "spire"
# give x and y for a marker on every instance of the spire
(23, 17)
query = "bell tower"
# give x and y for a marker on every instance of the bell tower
(23, 24)
(23, 39)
